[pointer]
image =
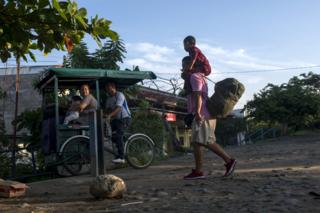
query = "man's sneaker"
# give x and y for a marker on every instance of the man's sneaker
(194, 175)
(230, 167)
(118, 160)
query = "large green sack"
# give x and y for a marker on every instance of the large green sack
(227, 94)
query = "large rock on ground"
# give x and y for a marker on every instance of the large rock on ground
(108, 186)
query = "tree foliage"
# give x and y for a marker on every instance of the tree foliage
(79, 57)
(107, 57)
(31, 120)
(294, 104)
(149, 123)
(45, 25)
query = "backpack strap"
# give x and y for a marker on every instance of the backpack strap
(209, 79)
(124, 105)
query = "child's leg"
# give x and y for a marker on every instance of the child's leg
(71, 116)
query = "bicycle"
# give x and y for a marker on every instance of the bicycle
(139, 150)
(68, 149)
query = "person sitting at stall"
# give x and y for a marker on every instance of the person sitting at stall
(74, 109)
(88, 103)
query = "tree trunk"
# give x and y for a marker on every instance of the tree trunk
(14, 142)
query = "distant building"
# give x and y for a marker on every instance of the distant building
(28, 97)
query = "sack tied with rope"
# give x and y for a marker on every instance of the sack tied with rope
(227, 94)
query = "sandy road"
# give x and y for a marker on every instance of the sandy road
(280, 175)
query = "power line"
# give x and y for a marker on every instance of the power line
(271, 70)
(251, 71)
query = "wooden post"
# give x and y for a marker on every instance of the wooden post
(96, 144)
(56, 101)
(93, 144)
(98, 93)
(100, 141)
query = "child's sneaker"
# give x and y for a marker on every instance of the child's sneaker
(230, 167)
(194, 175)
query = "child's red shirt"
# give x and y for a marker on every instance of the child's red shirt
(201, 62)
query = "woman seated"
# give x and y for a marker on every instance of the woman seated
(87, 104)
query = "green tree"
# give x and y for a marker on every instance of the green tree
(44, 25)
(31, 120)
(294, 104)
(79, 57)
(106, 57)
(109, 55)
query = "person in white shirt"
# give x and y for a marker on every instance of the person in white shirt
(118, 113)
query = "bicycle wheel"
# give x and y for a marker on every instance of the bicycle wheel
(139, 151)
(75, 155)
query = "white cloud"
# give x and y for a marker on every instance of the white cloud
(146, 47)
(161, 59)
(157, 57)
(151, 52)
(165, 59)
(166, 63)
(141, 62)
(236, 60)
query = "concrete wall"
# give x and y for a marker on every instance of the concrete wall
(28, 97)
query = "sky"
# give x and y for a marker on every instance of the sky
(258, 38)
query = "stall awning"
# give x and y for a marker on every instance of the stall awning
(69, 77)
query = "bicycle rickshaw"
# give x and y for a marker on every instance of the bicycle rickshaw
(68, 147)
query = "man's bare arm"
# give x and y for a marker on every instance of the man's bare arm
(114, 112)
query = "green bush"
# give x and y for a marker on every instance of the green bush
(31, 120)
(228, 128)
(149, 123)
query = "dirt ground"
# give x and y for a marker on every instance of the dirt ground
(281, 175)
